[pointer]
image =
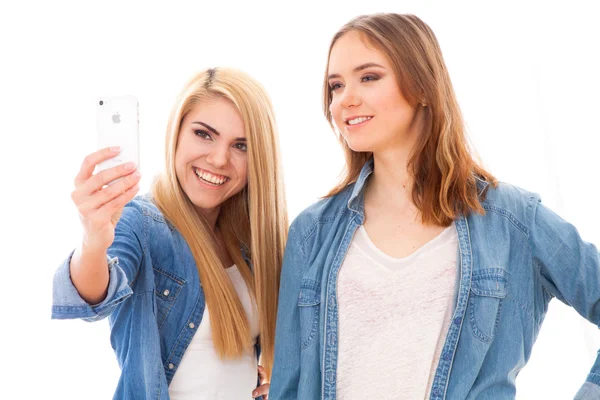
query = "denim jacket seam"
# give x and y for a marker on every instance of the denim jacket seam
(508, 215)
(145, 228)
(160, 270)
(179, 342)
(593, 378)
(119, 295)
(143, 243)
(532, 208)
(536, 266)
(315, 223)
(147, 211)
(520, 305)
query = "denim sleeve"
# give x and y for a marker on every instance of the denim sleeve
(123, 261)
(569, 269)
(286, 367)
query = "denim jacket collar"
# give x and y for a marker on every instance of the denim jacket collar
(356, 201)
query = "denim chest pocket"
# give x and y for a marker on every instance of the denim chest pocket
(167, 287)
(309, 303)
(488, 290)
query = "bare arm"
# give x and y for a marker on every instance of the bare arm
(89, 274)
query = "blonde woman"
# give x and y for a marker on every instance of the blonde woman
(420, 276)
(188, 274)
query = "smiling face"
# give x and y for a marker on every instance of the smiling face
(367, 105)
(211, 158)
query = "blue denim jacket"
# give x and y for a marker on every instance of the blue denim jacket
(512, 262)
(154, 303)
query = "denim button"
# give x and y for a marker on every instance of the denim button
(166, 292)
(436, 392)
(171, 366)
(456, 320)
(191, 325)
(447, 356)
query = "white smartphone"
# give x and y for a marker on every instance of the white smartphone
(117, 124)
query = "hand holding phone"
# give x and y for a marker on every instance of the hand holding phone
(100, 204)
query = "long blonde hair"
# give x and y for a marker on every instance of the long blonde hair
(254, 220)
(442, 164)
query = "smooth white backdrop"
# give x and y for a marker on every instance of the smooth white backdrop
(526, 76)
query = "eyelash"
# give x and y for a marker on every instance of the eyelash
(207, 136)
(371, 78)
(203, 134)
(244, 145)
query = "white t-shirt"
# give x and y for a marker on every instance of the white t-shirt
(203, 375)
(394, 314)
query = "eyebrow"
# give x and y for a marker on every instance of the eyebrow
(216, 132)
(357, 69)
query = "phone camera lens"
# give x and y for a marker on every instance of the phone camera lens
(101, 102)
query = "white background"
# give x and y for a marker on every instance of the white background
(526, 77)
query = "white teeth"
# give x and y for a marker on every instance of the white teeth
(208, 177)
(358, 120)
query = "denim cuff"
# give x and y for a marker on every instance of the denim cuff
(68, 304)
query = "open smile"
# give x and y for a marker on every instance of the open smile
(357, 121)
(210, 178)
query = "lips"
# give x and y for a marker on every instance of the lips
(210, 178)
(357, 120)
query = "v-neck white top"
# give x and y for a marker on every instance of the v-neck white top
(202, 375)
(394, 314)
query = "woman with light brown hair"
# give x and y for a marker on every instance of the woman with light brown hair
(419, 275)
(188, 274)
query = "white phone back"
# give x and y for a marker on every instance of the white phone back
(117, 123)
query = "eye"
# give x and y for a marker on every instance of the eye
(334, 86)
(369, 78)
(241, 146)
(203, 134)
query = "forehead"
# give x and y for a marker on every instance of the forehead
(351, 50)
(220, 114)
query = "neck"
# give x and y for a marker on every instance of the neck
(390, 183)
(211, 216)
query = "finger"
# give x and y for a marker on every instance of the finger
(118, 189)
(262, 390)
(116, 205)
(102, 197)
(90, 162)
(103, 178)
(262, 374)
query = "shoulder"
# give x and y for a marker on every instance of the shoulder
(511, 202)
(509, 196)
(322, 211)
(142, 210)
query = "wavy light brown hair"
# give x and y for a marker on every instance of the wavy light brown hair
(442, 165)
(254, 220)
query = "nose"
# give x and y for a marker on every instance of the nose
(219, 156)
(350, 97)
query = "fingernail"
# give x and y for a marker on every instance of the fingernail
(137, 174)
(129, 166)
(115, 149)
(254, 394)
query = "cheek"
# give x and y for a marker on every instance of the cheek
(336, 113)
(178, 163)
(241, 168)
(392, 99)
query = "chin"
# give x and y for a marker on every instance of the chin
(359, 146)
(202, 204)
